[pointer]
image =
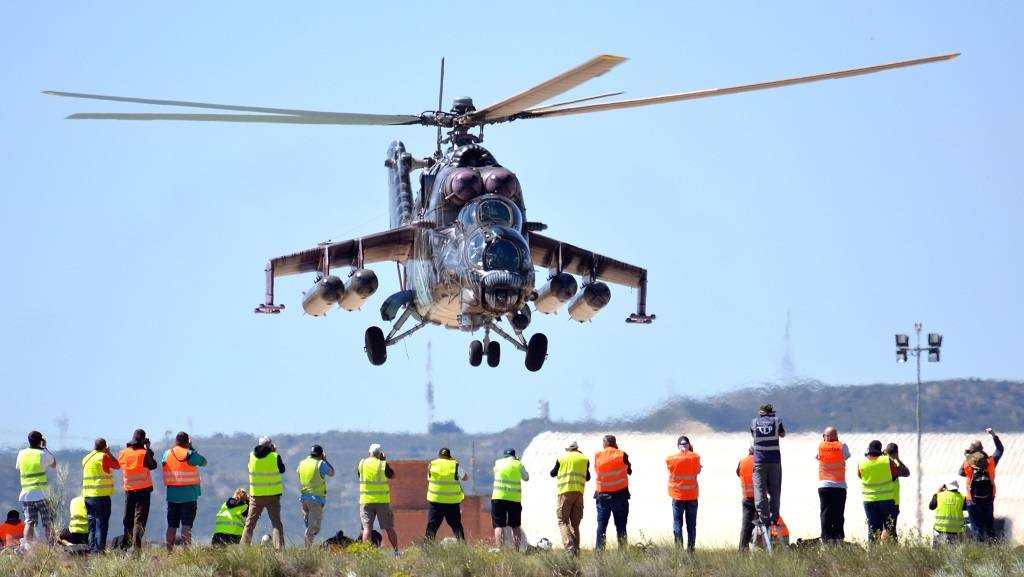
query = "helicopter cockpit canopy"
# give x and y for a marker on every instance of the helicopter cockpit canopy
(491, 210)
(497, 249)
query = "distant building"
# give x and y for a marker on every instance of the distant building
(718, 518)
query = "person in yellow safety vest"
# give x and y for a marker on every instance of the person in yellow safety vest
(183, 484)
(137, 460)
(76, 534)
(507, 498)
(892, 450)
(571, 471)
(266, 485)
(444, 494)
(611, 493)
(948, 504)
(313, 472)
(375, 476)
(876, 474)
(32, 464)
(230, 523)
(832, 456)
(97, 487)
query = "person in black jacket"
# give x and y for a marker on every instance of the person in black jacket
(981, 504)
(136, 501)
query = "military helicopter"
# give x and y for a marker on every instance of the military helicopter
(465, 251)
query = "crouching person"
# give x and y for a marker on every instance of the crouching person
(948, 505)
(231, 519)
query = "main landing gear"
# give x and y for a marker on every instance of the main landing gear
(536, 349)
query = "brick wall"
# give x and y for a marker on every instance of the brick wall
(409, 503)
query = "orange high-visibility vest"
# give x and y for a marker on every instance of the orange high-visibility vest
(747, 476)
(780, 529)
(682, 475)
(177, 471)
(831, 464)
(969, 473)
(136, 475)
(611, 470)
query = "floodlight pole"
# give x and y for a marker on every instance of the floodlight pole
(919, 517)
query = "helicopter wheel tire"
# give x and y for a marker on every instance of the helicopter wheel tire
(476, 353)
(493, 353)
(376, 347)
(536, 352)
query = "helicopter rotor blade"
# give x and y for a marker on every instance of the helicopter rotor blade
(348, 119)
(549, 89)
(694, 95)
(340, 117)
(577, 101)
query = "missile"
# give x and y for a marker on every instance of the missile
(324, 293)
(594, 297)
(360, 287)
(558, 290)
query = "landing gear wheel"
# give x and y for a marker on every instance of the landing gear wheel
(476, 353)
(493, 353)
(536, 352)
(376, 348)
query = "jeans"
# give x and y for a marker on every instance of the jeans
(879, 514)
(982, 519)
(136, 515)
(767, 491)
(450, 513)
(833, 508)
(617, 508)
(684, 510)
(98, 509)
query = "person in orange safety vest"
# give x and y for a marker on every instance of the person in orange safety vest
(612, 492)
(683, 468)
(745, 472)
(832, 457)
(137, 460)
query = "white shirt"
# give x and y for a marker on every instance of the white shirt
(35, 494)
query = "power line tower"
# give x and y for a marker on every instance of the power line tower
(788, 367)
(430, 392)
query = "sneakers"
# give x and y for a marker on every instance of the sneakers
(398, 553)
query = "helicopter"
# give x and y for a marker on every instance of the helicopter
(464, 251)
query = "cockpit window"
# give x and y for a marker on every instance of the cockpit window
(475, 246)
(502, 255)
(491, 211)
(496, 212)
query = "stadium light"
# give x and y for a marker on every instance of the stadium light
(903, 352)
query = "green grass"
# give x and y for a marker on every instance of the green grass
(468, 561)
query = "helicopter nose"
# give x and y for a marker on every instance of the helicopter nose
(503, 290)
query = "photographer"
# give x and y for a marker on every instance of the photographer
(137, 460)
(266, 485)
(180, 466)
(948, 505)
(32, 464)
(980, 470)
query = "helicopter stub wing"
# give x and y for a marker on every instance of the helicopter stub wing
(393, 245)
(554, 254)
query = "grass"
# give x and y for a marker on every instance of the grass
(470, 561)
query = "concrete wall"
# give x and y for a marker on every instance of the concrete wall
(718, 518)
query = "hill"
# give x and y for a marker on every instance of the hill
(955, 405)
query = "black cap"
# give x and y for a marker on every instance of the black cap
(445, 452)
(510, 452)
(316, 451)
(874, 448)
(683, 440)
(13, 516)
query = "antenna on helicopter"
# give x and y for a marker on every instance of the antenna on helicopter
(440, 101)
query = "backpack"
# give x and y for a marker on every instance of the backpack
(981, 482)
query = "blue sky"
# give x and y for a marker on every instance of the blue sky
(134, 252)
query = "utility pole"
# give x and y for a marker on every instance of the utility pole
(903, 349)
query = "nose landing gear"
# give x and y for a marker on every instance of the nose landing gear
(536, 349)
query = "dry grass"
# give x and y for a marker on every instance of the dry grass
(468, 561)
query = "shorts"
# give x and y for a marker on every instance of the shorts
(506, 513)
(379, 511)
(183, 514)
(40, 509)
(312, 515)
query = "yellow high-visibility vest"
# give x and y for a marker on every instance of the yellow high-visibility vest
(949, 514)
(33, 474)
(508, 480)
(374, 486)
(312, 483)
(572, 472)
(264, 476)
(876, 479)
(442, 487)
(79, 521)
(95, 481)
(230, 520)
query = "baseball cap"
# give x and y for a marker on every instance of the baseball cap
(264, 442)
(683, 441)
(510, 452)
(573, 445)
(953, 485)
(13, 516)
(374, 448)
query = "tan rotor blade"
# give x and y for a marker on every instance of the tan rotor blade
(546, 90)
(543, 113)
(577, 101)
